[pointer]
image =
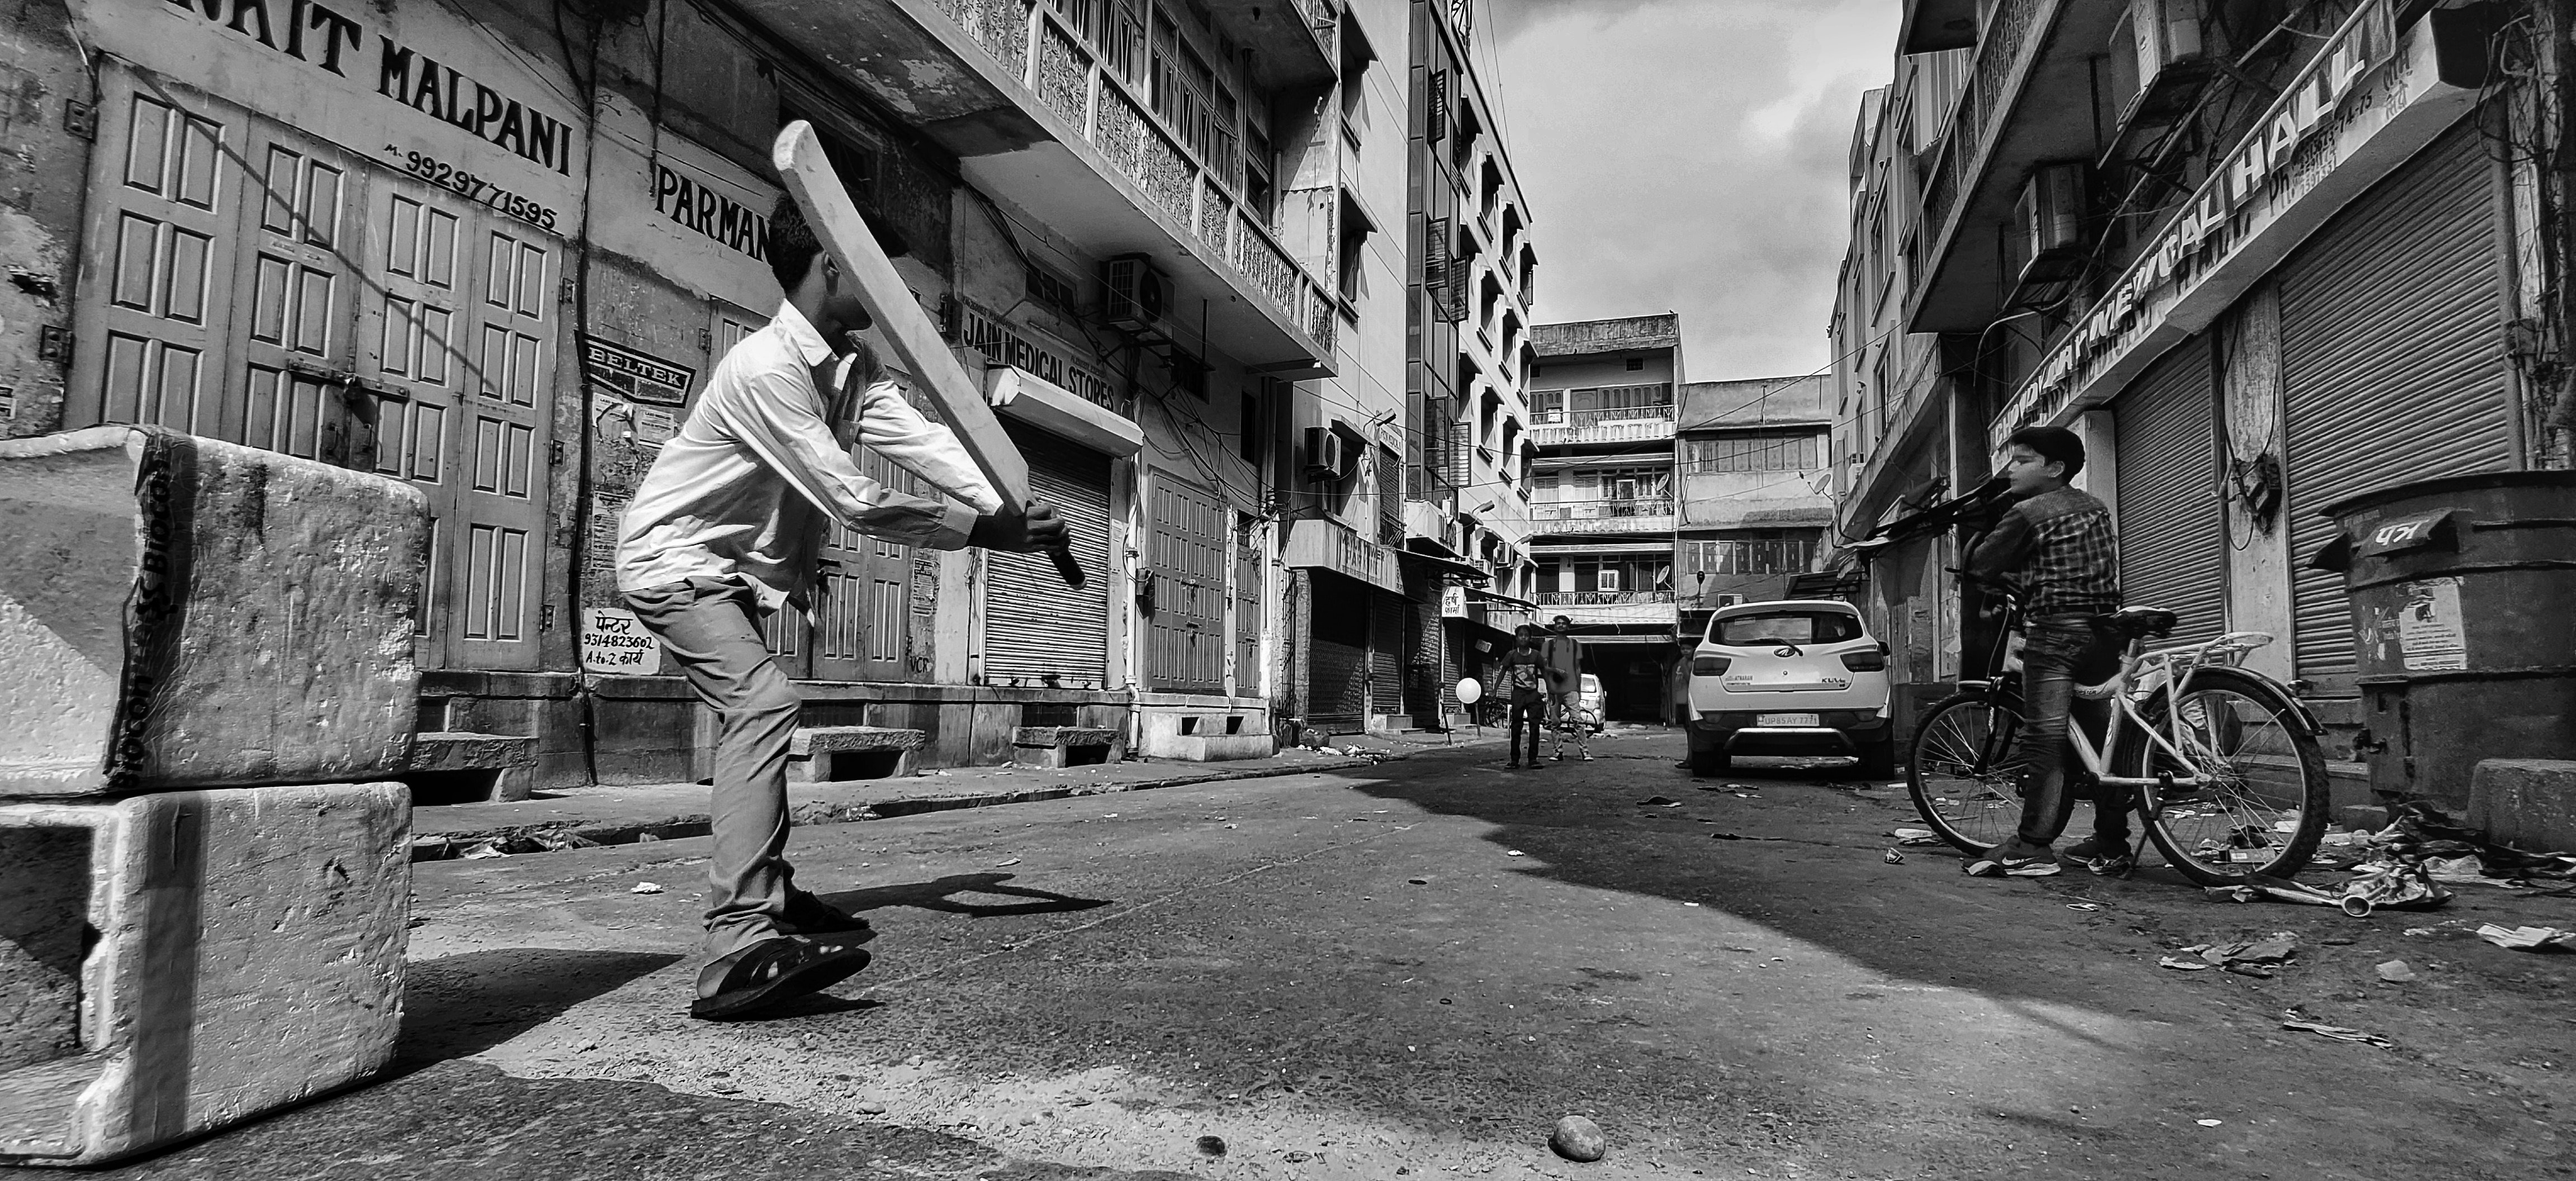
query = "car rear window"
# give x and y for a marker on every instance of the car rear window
(1788, 627)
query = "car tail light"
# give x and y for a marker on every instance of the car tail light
(1865, 661)
(1709, 666)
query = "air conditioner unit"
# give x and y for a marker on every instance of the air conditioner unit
(2167, 32)
(2048, 224)
(1324, 455)
(1137, 293)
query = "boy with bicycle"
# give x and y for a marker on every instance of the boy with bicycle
(2057, 544)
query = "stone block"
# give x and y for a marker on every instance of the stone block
(178, 962)
(1210, 748)
(2528, 804)
(831, 754)
(179, 612)
(494, 767)
(1064, 746)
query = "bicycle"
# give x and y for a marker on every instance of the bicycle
(2229, 778)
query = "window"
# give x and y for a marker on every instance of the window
(1114, 27)
(1636, 364)
(1260, 164)
(1251, 426)
(1789, 627)
(1753, 453)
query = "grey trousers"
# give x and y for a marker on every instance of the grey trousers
(712, 627)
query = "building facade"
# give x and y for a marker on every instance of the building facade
(1466, 525)
(1602, 405)
(2263, 257)
(1756, 505)
(495, 250)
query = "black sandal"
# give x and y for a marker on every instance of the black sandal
(778, 968)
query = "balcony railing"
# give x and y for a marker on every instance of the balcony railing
(1070, 81)
(1617, 424)
(1637, 515)
(1999, 53)
(1602, 598)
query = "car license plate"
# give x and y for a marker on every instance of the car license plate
(1786, 720)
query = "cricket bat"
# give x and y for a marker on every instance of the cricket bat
(798, 157)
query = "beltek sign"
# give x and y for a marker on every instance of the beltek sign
(317, 34)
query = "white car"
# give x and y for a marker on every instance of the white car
(1594, 702)
(1797, 677)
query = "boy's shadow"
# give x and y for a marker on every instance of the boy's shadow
(939, 894)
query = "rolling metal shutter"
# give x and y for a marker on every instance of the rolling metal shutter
(1387, 649)
(2173, 539)
(2391, 364)
(1037, 631)
(1337, 646)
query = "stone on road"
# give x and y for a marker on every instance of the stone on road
(1251, 961)
(1578, 1139)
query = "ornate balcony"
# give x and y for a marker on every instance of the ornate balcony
(1036, 118)
(1639, 515)
(1618, 424)
(1628, 607)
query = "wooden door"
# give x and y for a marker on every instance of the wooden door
(1185, 636)
(862, 612)
(150, 351)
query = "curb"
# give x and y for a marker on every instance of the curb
(519, 840)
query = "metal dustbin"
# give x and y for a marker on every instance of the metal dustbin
(2464, 614)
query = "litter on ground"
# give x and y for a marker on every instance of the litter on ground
(2529, 938)
(2337, 1032)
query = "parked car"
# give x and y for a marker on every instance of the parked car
(1797, 677)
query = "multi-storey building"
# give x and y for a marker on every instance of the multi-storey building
(2263, 256)
(1602, 517)
(1894, 443)
(1467, 422)
(496, 251)
(1756, 497)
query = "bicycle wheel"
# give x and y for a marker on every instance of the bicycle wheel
(2265, 807)
(1966, 772)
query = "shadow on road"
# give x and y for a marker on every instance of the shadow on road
(1805, 859)
(465, 1004)
(940, 895)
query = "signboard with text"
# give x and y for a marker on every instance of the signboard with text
(613, 641)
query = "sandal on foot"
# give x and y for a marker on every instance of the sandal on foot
(779, 968)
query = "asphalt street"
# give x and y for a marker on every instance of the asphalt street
(1414, 970)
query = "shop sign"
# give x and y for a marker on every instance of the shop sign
(1453, 602)
(613, 641)
(634, 376)
(319, 36)
(704, 209)
(2303, 159)
(1316, 543)
(1003, 343)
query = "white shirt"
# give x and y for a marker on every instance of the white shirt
(762, 467)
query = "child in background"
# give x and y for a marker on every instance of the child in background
(1524, 676)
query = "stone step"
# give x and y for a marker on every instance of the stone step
(833, 754)
(458, 767)
(247, 955)
(1064, 746)
(150, 640)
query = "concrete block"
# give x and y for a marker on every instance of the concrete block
(832, 754)
(178, 612)
(1210, 748)
(178, 962)
(2528, 804)
(1064, 746)
(494, 767)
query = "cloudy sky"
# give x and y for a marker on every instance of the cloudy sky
(1689, 155)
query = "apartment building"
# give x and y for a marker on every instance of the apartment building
(1466, 558)
(1602, 512)
(2263, 256)
(1756, 503)
(496, 251)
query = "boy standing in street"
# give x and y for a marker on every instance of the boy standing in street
(1524, 676)
(724, 532)
(2056, 543)
(1564, 659)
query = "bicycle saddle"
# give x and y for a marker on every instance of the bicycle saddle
(2132, 623)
